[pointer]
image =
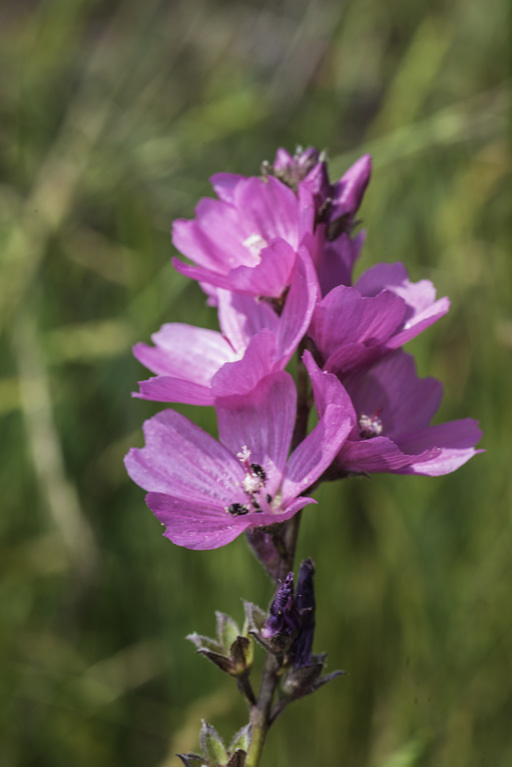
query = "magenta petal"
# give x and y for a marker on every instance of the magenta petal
(344, 318)
(224, 185)
(263, 421)
(455, 441)
(241, 317)
(268, 208)
(379, 454)
(381, 276)
(335, 260)
(299, 306)
(307, 212)
(242, 376)
(418, 296)
(183, 460)
(199, 273)
(203, 526)
(419, 322)
(392, 389)
(213, 239)
(170, 389)
(316, 453)
(195, 525)
(184, 351)
(327, 389)
(268, 278)
(422, 308)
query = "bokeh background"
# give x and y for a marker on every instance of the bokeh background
(112, 117)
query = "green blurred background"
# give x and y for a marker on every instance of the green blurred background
(112, 117)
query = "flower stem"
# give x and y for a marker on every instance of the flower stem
(261, 713)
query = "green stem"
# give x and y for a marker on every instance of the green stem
(260, 713)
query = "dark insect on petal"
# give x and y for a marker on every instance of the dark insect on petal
(258, 471)
(237, 509)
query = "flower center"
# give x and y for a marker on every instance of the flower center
(255, 244)
(252, 484)
(370, 425)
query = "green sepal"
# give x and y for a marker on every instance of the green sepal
(227, 630)
(241, 654)
(213, 747)
(241, 740)
(225, 664)
(306, 680)
(205, 643)
(255, 618)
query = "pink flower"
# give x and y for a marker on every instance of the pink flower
(391, 411)
(353, 326)
(196, 366)
(206, 493)
(246, 240)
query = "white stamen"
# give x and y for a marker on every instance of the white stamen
(244, 454)
(251, 484)
(255, 244)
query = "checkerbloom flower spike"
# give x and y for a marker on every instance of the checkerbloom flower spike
(275, 256)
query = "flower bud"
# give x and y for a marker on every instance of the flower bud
(232, 651)
(283, 618)
(305, 601)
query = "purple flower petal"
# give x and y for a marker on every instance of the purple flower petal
(455, 441)
(242, 376)
(186, 358)
(422, 308)
(327, 389)
(208, 526)
(270, 276)
(224, 185)
(213, 239)
(184, 351)
(334, 261)
(299, 306)
(392, 389)
(268, 209)
(195, 525)
(419, 323)
(241, 317)
(346, 327)
(317, 451)
(170, 389)
(184, 461)
(262, 421)
(379, 454)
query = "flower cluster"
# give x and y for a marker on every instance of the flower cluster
(275, 255)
